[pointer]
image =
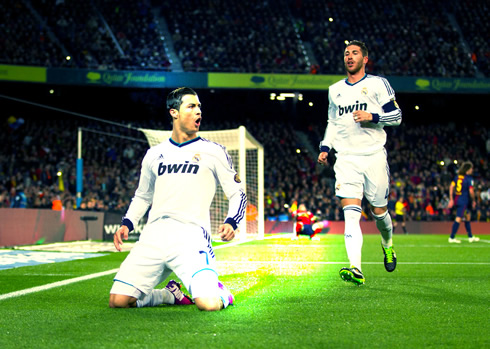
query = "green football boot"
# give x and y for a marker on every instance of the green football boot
(390, 258)
(353, 275)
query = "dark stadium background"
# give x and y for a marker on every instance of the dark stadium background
(129, 105)
(445, 44)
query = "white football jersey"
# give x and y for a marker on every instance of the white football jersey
(179, 181)
(372, 94)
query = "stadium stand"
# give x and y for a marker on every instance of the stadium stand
(269, 36)
(34, 151)
(471, 19)
(24, 40)
(250, 36)
(405, 38)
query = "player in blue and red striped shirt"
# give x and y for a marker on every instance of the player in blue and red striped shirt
(462, 195)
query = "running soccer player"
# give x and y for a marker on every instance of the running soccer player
(359, 107)
(461, 194)
(306, 223)
(178, 180)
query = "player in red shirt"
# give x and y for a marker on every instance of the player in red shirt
(306, 223)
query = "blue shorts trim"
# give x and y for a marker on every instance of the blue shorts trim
(214, 271)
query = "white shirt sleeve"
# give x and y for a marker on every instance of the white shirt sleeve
(392, 114)
(327, 143)
(232, 187)
(143, 196)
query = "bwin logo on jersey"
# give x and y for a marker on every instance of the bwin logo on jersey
(352, 108)
(177, 168)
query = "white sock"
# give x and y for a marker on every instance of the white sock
(353, 234)
(156, 297)
(385, 227)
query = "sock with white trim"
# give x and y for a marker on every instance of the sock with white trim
(156, 297)
(353, 234)
(385, 227)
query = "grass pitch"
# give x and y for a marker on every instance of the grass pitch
(288, 295)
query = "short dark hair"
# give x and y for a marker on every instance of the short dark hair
(465, 167)
(359, 43)
(174, 98)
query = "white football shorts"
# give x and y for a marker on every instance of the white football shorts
(164, 246)
(363, 175)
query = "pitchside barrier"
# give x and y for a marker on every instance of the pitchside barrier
(23, 226)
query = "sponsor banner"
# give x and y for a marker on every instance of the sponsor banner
(323, 82)
(112, 222)
(137, 78)
(22, 73)
(162, 79)
(452, 85)
(272, 81)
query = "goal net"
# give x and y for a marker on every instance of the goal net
(248, 159)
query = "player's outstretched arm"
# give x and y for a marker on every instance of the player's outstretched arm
(226, 232)
(121, 233)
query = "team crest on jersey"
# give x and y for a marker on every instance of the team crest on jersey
(337, 187)
(237, 178)
(196, 158)
(364, 91)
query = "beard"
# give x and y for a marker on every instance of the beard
(354, 68)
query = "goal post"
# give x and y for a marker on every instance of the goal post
(248, 159)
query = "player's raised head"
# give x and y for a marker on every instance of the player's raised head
(174, 98)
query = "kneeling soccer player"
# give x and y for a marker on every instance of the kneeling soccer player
(178, 180)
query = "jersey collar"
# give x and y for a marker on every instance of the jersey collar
(184, 143)
(348, 83)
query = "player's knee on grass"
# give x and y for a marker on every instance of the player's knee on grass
(209, 303)
(205, 291)
(123, 295)
(121, 301)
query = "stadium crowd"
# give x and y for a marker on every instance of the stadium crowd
(266, 36)
(38, 159)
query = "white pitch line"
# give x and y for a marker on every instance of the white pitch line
(55, 284)
(346, 262)
(82, 278)
(96, 275)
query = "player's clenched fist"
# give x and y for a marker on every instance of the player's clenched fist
(226, 232)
